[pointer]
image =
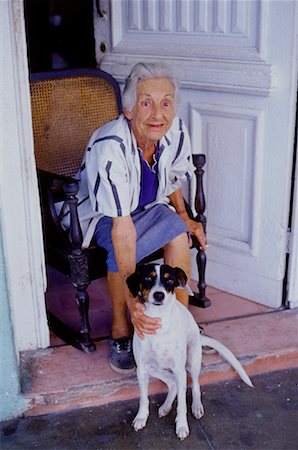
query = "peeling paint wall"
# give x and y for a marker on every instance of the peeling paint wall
(11, 401)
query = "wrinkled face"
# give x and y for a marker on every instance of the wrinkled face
(154, 111)
(153, 282)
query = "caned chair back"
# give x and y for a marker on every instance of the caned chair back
(67, 106)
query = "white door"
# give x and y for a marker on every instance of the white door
(235, 60)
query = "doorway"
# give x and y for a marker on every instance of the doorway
(60, 34)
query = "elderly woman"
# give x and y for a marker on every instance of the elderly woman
(131, 179)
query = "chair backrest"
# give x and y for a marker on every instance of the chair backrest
(67, 106)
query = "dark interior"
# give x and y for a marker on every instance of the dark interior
(60, 34)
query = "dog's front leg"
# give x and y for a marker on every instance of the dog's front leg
(182, 429)
(169, 379)
(194, 368)
(140, 420)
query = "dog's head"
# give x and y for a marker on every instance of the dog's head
(153, 282)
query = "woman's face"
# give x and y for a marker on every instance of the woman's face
(154, 111)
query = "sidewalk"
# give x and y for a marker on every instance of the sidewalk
(236, 418)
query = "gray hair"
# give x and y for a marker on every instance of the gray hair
(143, 71)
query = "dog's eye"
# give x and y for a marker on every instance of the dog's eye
(167, 278)
(151, 276)
(148, 282)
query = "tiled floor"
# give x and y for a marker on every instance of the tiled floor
(60, 300)
(62, 377)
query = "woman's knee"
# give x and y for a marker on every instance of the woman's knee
(178, 244)
(177, 253)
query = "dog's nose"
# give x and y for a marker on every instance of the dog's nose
(158, 296)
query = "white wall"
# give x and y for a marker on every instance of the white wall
(19, 198)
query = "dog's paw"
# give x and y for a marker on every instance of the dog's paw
(197, 410)
(139, 422)
(182, 431)
(164, 410)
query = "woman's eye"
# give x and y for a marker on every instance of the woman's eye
(167, 104)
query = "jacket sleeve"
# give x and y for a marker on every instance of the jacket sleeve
(107, 175)
(181, 168)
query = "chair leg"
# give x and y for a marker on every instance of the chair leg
(79, 272)
(82, 299)
(80, 280)
(200, 299)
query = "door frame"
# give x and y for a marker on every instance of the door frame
(292, 275)
(19, 197)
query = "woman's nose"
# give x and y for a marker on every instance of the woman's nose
(157, 111)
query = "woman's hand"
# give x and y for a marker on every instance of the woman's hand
(141, 322)
(196, 229)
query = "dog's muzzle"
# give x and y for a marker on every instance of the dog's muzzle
(158, 297)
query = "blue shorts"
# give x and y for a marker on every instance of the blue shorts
(155, 227)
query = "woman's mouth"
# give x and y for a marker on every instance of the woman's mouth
(155, 126)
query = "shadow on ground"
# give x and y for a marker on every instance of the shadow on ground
(236, 417)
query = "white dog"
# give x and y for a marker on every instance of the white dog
(175, 349)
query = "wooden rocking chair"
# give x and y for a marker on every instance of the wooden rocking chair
(67, 106)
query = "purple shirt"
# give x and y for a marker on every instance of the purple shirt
(149, 182)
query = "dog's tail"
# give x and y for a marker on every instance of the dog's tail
(228, 355)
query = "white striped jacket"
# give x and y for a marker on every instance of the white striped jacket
(110, 172)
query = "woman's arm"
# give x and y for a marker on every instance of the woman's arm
(195, 228)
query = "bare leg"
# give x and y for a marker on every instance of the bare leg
(124, 243)
(120, 323)
(177, 254)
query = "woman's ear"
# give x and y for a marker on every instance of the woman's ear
(128, 114)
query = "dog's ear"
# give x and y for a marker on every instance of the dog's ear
(181, 277)
(133, 283)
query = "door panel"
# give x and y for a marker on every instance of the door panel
(228, 136)
(235, 60)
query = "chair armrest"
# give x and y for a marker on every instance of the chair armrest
(71, 188)
(51, 187)
(200, 299)
(199, 161)
(58, 188)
